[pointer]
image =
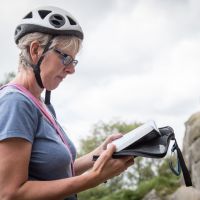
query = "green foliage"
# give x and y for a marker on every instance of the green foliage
(164, 169)
(94, 193)
(163, 185)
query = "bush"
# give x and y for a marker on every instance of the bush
(163, 186)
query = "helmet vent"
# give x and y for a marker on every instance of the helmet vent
(28, 16)
(58, 17)
(57, 20)
(18, 29)
(43, 13)
(71, 21)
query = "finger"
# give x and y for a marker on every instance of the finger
(126, 163)
(130, 162)
(107, 154)
(111, 138)
(115, 136)
(127, 158)
(111, 148)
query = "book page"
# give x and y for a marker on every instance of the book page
(135, 135)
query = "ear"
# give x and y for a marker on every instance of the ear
(35, 51)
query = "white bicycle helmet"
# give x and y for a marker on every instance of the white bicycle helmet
(50, 20)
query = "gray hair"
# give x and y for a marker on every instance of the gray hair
(70, 43)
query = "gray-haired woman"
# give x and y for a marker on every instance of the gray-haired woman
(37, 159)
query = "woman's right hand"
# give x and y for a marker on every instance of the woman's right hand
(106, 167)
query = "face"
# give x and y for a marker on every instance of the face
(56, 65)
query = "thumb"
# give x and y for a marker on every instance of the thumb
(107, 154)
(111, 148)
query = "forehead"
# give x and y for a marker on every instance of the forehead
(67, 44)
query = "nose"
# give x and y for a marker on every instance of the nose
(70, 69)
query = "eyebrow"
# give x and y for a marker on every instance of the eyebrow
(63, 53)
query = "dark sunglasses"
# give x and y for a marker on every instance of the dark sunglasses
(66, 59)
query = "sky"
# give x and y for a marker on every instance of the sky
(139, 61)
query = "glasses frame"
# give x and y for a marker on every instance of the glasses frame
(65, 56)
(177, 168)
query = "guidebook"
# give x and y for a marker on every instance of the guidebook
(142, 133)
(150, 142)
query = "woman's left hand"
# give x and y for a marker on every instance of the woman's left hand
(85, 162)
(108, 140)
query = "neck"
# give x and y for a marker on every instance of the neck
(26, 78)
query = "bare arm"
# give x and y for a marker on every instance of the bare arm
(14, 183)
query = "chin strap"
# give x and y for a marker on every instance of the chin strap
(36, 70)
(47, 97)
(36, 67)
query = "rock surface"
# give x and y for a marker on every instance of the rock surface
(191, 148)
(152, 196)
(185, 193)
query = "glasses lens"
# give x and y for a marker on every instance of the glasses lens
(174, 159)
(175, 164)
(67, 60)
(75, 62)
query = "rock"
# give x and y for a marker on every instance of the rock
(151, 196)
(195, 151)
(196, 175)
(185, 193)
(191, 148)
(192, 129)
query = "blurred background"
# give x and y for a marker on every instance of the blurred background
(139, 62)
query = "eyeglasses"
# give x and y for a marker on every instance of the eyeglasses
(66, 59)
(174, 162)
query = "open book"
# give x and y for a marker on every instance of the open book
(144, 132)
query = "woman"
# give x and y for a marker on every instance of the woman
(37, 160)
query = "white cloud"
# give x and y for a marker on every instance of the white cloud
(140, 61)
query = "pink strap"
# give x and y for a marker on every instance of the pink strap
(46, 114)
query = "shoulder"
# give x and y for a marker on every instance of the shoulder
(12, 99)
(19, 116)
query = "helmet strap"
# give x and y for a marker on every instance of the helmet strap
(36, 70)
(47, 97)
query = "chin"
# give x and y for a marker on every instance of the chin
(52, 87)
(52, 83)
